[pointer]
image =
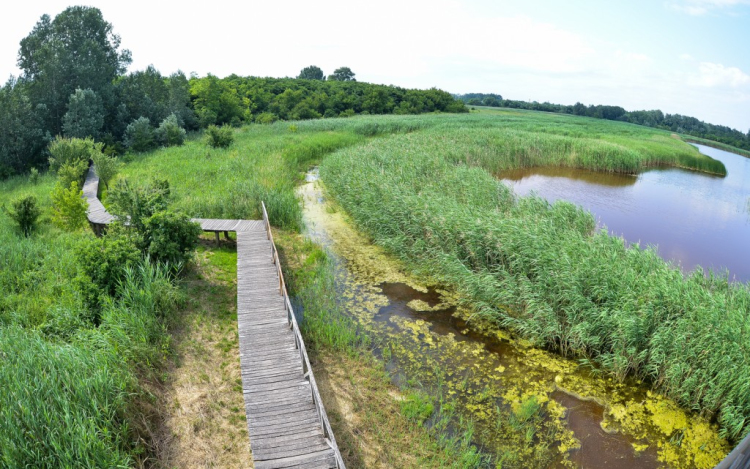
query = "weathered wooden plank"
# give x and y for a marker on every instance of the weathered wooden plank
(291, 450)
(306, 460)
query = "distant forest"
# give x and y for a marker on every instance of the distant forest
(74, 84)
(673, 122)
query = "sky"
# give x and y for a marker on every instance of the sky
(689, 57)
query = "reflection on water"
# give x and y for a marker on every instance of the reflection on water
(584, 175)
(693, 218)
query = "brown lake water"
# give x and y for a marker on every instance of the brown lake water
(693, 218)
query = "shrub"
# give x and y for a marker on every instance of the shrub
(107, 167)
(73, 172)
(103, 262)
(68, 207)
(25, 212)
(219, 137)
(139, 136)
(266, 118)
(347, 113)
(71, 150)
(136, 204)
(34, 176)
(171, 237)
(170, 133)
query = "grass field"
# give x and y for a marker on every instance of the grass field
(88, 400)
(431, 199)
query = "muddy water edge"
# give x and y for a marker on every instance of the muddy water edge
(529, 408)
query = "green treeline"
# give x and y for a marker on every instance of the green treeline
(543, 271)
(74, 84)
(672, 122)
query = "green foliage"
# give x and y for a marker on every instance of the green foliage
(171, 237)
(25, 212)
(34, 176)
(138, 203)
(85, 116)
(266, 118)
(540, 269)
(139, 135)
(342, 74)
(311, 73)
(72, 415)
(23, 139)
(219, 137)
(72, 172)
(76, 50)
(106, 166)
(170, 133)
(68, 206)
(215, 101)
(417, 406)
(71, 151)
(103, 262)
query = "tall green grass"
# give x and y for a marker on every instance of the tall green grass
(69, 389)
(541, 270)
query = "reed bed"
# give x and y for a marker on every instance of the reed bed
(542, 270)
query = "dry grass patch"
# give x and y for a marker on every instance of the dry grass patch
(204, 422)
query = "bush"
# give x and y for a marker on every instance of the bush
(73, 172)
(71, 151)
(107, 167)
(25, 212)
(103, 262)
(139, 136)
(347, 113)
(34, 176)
(170, 133)
(171, 237)
(219, 137)
(68, 207)
(136, 204)
(266, 118)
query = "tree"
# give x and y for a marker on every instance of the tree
(139, 136)
(311, 73)
(75, 50)
(342, 74)
(106, 167)
(71, 151)
(170, 133)
(25, 212)
(68, 206)
(85, 116)
(143, 94)
(22, 135)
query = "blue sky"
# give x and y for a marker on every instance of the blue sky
(682, 56)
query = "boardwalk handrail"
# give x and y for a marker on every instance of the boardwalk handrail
(739, 458)
(306, 368)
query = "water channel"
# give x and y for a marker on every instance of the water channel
(530, 408)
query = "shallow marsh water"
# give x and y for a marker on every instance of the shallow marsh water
(693, 218)
(428, 340)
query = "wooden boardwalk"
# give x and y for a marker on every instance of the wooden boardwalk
(286, 420)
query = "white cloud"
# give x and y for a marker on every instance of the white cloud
(711, 75)
(702, 7)
(687, 57)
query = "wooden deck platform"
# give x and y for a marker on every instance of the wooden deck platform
(286, 420)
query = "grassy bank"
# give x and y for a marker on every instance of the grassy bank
(430, 198)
